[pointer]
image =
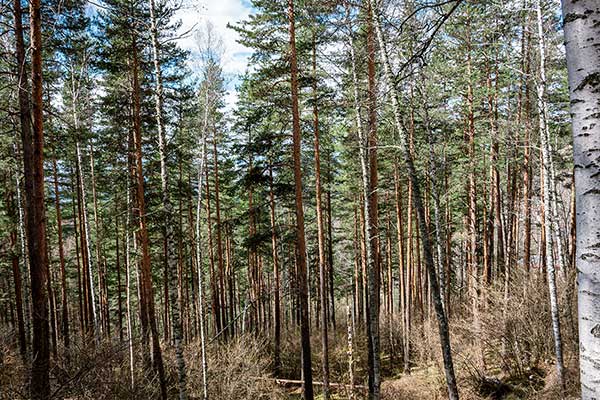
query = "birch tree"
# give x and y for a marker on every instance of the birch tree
(547, 189)
(582, 38)
(423, 227)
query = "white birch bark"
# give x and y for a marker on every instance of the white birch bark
(548, 211)
(427, 247)
(25, 268)
(86, 231)
(199, 263)
(582, 41)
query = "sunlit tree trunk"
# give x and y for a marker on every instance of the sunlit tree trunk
(167, 209)
(320, 231)
(547, 194)
(276, 276)
(300, 236)
(147, 291)
(423, 228)
(582, 37)
(128, 263)
(17, 279)
(61, 256)
(199, 253)
(32, 137)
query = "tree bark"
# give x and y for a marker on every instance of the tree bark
(61, 256)
(90, 294)
(129, 211)
(423, 228)
(101, 262)
(526, 67)
(330, 274)
(17, 280)
(582, 36)
(300, 235)
(547, 185)
(401, 269)
(372, 211)
(199, 261)
(167, 210)
(277, 311)
(32, 137)
(147, 291)
(320, 231)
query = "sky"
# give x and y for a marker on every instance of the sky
(220, 13)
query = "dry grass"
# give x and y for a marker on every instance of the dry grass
(102, 372)
(234, 369)
(516, 347)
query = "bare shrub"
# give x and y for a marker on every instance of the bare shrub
(237, 369)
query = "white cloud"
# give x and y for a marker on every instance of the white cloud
(219, 13)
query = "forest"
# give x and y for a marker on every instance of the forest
(399, 199)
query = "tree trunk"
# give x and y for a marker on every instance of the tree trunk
(372, 212)
(23, 251)
(320, 231)
(80, 294)
(526, 67)
(199, 261)
(369, 243)
(277, 311)
(129, 210)
(582, 35)
(90, 294)
(436, 203)
(330, 274)
(32, 137)
(547, 185)
(350, 352)
(101, 262)
(147, 291)
(118, 267)
(17, 280)
(427, 246)
(61, 255)
(300, 236)
(167, 210)
(220, 264)
(401, 270)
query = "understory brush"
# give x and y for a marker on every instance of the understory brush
(507, 352)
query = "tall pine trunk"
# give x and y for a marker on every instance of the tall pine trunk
(320, 230)
(32, 137)
(149, 327)
(300, 235)
(167, 210)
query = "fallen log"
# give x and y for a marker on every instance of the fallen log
(300, 382)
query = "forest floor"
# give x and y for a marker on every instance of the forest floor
(518, 361)
(241, 371)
